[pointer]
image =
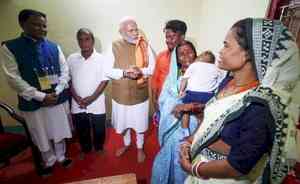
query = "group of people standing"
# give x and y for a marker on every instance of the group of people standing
(246, 132)
(45, 82)
(231, 124)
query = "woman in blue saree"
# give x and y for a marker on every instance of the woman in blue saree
(166, 168)
(248, 133)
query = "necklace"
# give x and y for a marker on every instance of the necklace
(231, 88)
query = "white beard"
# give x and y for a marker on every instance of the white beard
(128, 39)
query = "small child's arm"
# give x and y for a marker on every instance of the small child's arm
(183, 84)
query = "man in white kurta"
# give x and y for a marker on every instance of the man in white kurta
(88, 101)
(130, 99)
(42, 99)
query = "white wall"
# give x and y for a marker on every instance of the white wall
(217, 16)
(65, 17)
(207, 20)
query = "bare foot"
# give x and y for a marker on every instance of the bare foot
(141, 156)
(121, 151)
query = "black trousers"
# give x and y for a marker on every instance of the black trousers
(84, 123)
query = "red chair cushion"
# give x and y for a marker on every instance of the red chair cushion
(11, 144)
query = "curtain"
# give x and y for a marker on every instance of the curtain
(274, 9)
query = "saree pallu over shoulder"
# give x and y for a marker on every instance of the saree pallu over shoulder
(166, 167)
(168, 100)
(272, 167)
(216, 111)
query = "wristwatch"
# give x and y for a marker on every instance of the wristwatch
(124, 74)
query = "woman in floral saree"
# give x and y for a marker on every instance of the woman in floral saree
(248, 130)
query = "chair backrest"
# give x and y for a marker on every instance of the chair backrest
(1, 125)
(35, 151)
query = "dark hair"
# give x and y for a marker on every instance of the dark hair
(210, 54)
(177, 26)
(242, 30)
(26, 13)
(190, 44)
(85, 31)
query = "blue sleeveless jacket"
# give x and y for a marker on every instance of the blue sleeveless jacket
(35, 58)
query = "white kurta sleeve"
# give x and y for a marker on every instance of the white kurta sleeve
(149, 70)
(15, 81)
(64, 77)
(111, 72)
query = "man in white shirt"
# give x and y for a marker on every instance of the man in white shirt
(36, 69)
(130, 99)
(88, 101)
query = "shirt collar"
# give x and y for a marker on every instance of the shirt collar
(29, 38)
(91, 56)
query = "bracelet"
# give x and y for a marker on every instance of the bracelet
(195, 170)
(124, 74)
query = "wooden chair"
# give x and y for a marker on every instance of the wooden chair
(12, 144)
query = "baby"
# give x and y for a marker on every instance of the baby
(200, 81)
